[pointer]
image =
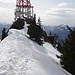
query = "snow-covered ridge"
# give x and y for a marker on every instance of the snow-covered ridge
(21, 56)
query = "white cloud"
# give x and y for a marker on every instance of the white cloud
(7, 1)
(59, 15)
(62, 4)
(57, 11)
(7, 15)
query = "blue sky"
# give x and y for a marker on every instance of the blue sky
(51, 12)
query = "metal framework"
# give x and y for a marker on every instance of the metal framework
(23, 9)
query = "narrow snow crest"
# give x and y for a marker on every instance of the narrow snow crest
(21, 56)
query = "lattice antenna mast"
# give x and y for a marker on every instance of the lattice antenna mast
(23, 9)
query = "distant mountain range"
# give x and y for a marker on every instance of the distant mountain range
(60, 30)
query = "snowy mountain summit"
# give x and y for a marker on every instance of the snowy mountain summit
(21, 56)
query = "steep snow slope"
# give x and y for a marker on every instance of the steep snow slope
(21, 56)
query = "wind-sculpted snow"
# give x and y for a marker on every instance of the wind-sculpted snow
(21, 56)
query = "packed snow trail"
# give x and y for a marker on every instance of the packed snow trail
(21, 56)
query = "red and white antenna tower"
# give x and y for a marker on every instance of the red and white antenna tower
(23, 9)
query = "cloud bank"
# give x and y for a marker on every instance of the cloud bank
(7, 1)
(7, 15)
(61, 14)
